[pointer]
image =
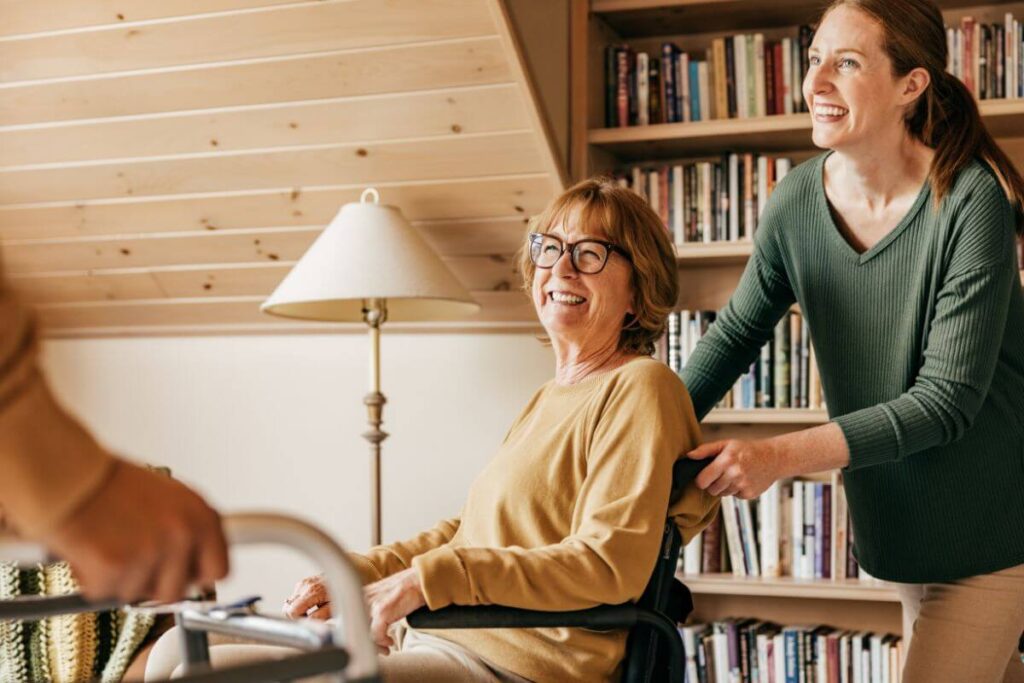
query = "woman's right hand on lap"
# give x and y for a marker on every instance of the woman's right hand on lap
(309, 593)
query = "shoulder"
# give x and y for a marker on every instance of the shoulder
(646, 380)
(793, 198)
(978, 219)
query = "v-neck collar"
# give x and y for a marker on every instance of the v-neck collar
(865, 256)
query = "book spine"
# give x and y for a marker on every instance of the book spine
(826, 531)
(760, 75)
(742, 97)
(781, 370)
(643, 92)
(683, 86)
(730, 77)
(797, 530)
(611, 119)
(817, 529)
(622, 87)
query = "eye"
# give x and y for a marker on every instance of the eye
(550, 247)
(814, 60)
(848, 63)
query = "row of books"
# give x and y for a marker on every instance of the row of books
(784, 375)
(752, 651)
(745, 75)
(740, 76)
(988, 58)
(798, 528)
(709, 201)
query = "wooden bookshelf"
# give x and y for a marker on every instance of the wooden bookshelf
(789, 587)
(646, 18)
(780, 133)
(780, 416)
(709, 272)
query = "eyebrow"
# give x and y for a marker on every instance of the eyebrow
(842, 49)
(561, 236)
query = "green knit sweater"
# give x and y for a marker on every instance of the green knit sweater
(920, 345)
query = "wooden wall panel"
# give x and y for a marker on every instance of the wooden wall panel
(471, 61)
(476, 109)
(30, 16)
(163, 165)
(229, 36)
(522, 195)
(425, 159)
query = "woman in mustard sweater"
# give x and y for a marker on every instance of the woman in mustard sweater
(569, 513)
(898, 244)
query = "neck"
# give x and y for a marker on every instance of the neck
(575, 362)
(891, 167)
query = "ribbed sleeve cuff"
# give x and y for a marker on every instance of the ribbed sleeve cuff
(870, 437)
(444, 578)
(367, 570)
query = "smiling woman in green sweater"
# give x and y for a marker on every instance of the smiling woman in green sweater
(898, 244)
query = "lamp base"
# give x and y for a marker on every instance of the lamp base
(374, 402)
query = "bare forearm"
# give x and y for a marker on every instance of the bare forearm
(811, 450)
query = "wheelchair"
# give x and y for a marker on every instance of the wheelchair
(654, 648)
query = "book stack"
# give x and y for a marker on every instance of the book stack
(708, 201)
(739, 76)
(799, 528)
(753, 651)
(784, 375)
(987, 57)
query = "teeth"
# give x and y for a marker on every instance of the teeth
(566, 298)
(826, 110)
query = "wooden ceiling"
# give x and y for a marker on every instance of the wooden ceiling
(163, 164)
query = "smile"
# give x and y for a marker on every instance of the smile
(826, 112)
(564, 298)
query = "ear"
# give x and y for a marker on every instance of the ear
(914, 84)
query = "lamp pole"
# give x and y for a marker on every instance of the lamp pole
(375, 312)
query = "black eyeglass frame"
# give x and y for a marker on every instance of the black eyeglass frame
(536, 237)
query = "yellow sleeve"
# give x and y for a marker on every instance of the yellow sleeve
(50, 464)
(646, 422)
(384, 560)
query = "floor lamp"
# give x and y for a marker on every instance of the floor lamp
(370, 265)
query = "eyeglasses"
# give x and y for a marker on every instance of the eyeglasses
(587, 256)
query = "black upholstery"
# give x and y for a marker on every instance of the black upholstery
(654, 649)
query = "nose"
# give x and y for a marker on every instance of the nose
(818, 81)
(563, 266)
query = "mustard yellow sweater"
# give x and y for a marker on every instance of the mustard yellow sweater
(567, 515)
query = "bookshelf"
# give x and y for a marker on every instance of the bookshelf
(710, 271)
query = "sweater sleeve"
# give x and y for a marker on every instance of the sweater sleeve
(643, 425)
(745, 323)
(962, 347)
(384, 560)
(50, 465)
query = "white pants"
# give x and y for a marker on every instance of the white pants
(416, 656)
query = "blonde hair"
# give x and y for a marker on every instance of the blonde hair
(623, 217)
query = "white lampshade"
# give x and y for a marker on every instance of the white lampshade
(369, 251)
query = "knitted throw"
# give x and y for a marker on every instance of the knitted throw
(69, 648)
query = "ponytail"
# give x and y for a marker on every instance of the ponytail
(947, 119)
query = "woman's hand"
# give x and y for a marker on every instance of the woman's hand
(744, 469)
(309, 593)
(390, 600)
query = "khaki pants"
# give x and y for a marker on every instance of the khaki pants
(416, 656)
(964, 631)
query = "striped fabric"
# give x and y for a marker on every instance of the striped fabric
(68, 648)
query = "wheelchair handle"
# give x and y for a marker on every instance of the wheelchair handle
(247, 528)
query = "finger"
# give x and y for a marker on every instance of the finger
(711, 473)
(308, 594)
(320, 612)
(213, 549)
(724, 486)
(172, 573)
(707, 450)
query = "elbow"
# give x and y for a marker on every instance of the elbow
(953, 409)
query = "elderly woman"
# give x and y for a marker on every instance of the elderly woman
(570, 511)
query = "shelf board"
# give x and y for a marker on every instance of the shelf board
(789, 587)
(766, 416)
(646, 18)
(781, 133)
(695, 254)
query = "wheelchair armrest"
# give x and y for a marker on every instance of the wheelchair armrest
(603, 617)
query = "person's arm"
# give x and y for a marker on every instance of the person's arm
(128, 533)
(620, 509)
(379, 563)
(744, 325)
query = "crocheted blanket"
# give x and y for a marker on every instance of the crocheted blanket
(70, 648)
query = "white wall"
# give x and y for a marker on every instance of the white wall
(275, 422)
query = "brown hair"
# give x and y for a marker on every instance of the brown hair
(945, 117)
(602, 207)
